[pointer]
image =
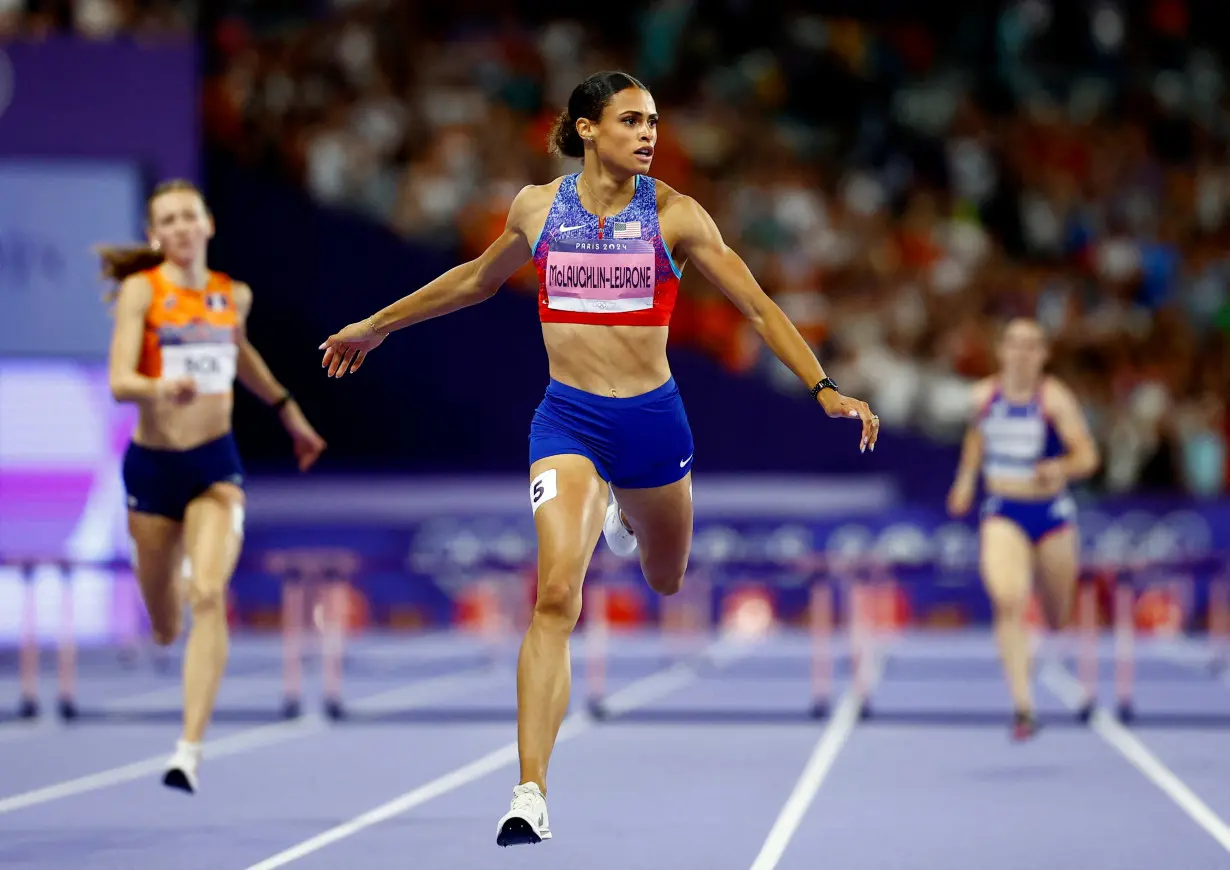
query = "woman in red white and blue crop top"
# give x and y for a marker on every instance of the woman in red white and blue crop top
(1027, 440)
(611, 451)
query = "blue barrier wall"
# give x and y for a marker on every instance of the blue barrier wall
(421, 552)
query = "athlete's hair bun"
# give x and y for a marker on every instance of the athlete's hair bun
(564, 140)
(588, 100)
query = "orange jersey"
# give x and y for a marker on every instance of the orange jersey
(191, 332)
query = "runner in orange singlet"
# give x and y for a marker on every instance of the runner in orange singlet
(177, 346)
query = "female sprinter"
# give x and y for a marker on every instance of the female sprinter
(609, 244)
(177, 346)
(1029, 439)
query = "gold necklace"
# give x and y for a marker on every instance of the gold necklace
(606, 204)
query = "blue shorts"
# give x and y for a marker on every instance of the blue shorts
(635, 443)
(1036, 519)
(163, 482)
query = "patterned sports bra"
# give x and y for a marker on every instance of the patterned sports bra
(612, 271)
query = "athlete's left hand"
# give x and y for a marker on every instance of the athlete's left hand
(346, 350)
(837, 405)
(1051, 473)
(308, 445)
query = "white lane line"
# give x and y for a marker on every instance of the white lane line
(1197, 658)
(237, 688)
(815, 772)
(403, 697)
(637, 694)
(1068, 689)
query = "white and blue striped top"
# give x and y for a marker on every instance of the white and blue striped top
(1016, 437)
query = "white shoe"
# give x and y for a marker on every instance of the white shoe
(182, 768)
(526, 823)
(618, 536)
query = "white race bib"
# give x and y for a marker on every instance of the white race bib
(212, 366)
(601, 277)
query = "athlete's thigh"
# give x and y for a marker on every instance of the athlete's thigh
(1058, 559)
(661, 517)
(213, 533)
(156, 554)
(569, 500)
(1006, 560)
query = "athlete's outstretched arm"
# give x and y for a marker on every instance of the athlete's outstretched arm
(459, 287)
(254, 373)
(699, 239)
(127, 384)
(1082, 458)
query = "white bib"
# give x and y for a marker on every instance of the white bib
(212, 366)
(600, 276)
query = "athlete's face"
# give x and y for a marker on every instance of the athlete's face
(180, 226)
(1022, 350)
(627, 132)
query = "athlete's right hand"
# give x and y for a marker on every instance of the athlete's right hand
(180, 391)
(960, 499)
(346, 350)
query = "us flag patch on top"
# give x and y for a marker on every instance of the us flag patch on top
(626, 230)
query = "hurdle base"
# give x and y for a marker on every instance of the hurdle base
(28, 708)
(67, 709)
(1085, 714)
(1125, 712)
(598, 710)
(820, 710)
(163, 663)
(292, 708)
(864, 711)
(335, 711)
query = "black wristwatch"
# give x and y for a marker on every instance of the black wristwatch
(826, 384)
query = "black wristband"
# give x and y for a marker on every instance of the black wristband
(826, 384)
(281, 403)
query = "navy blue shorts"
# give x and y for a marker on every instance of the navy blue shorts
(1036, 519)
(163, 482)
(635, 443)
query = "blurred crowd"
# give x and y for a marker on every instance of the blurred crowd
(899, 188)
(95, 19)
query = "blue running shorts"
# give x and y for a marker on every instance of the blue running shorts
(163, 482)
(636, 443)
(1036, 519)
